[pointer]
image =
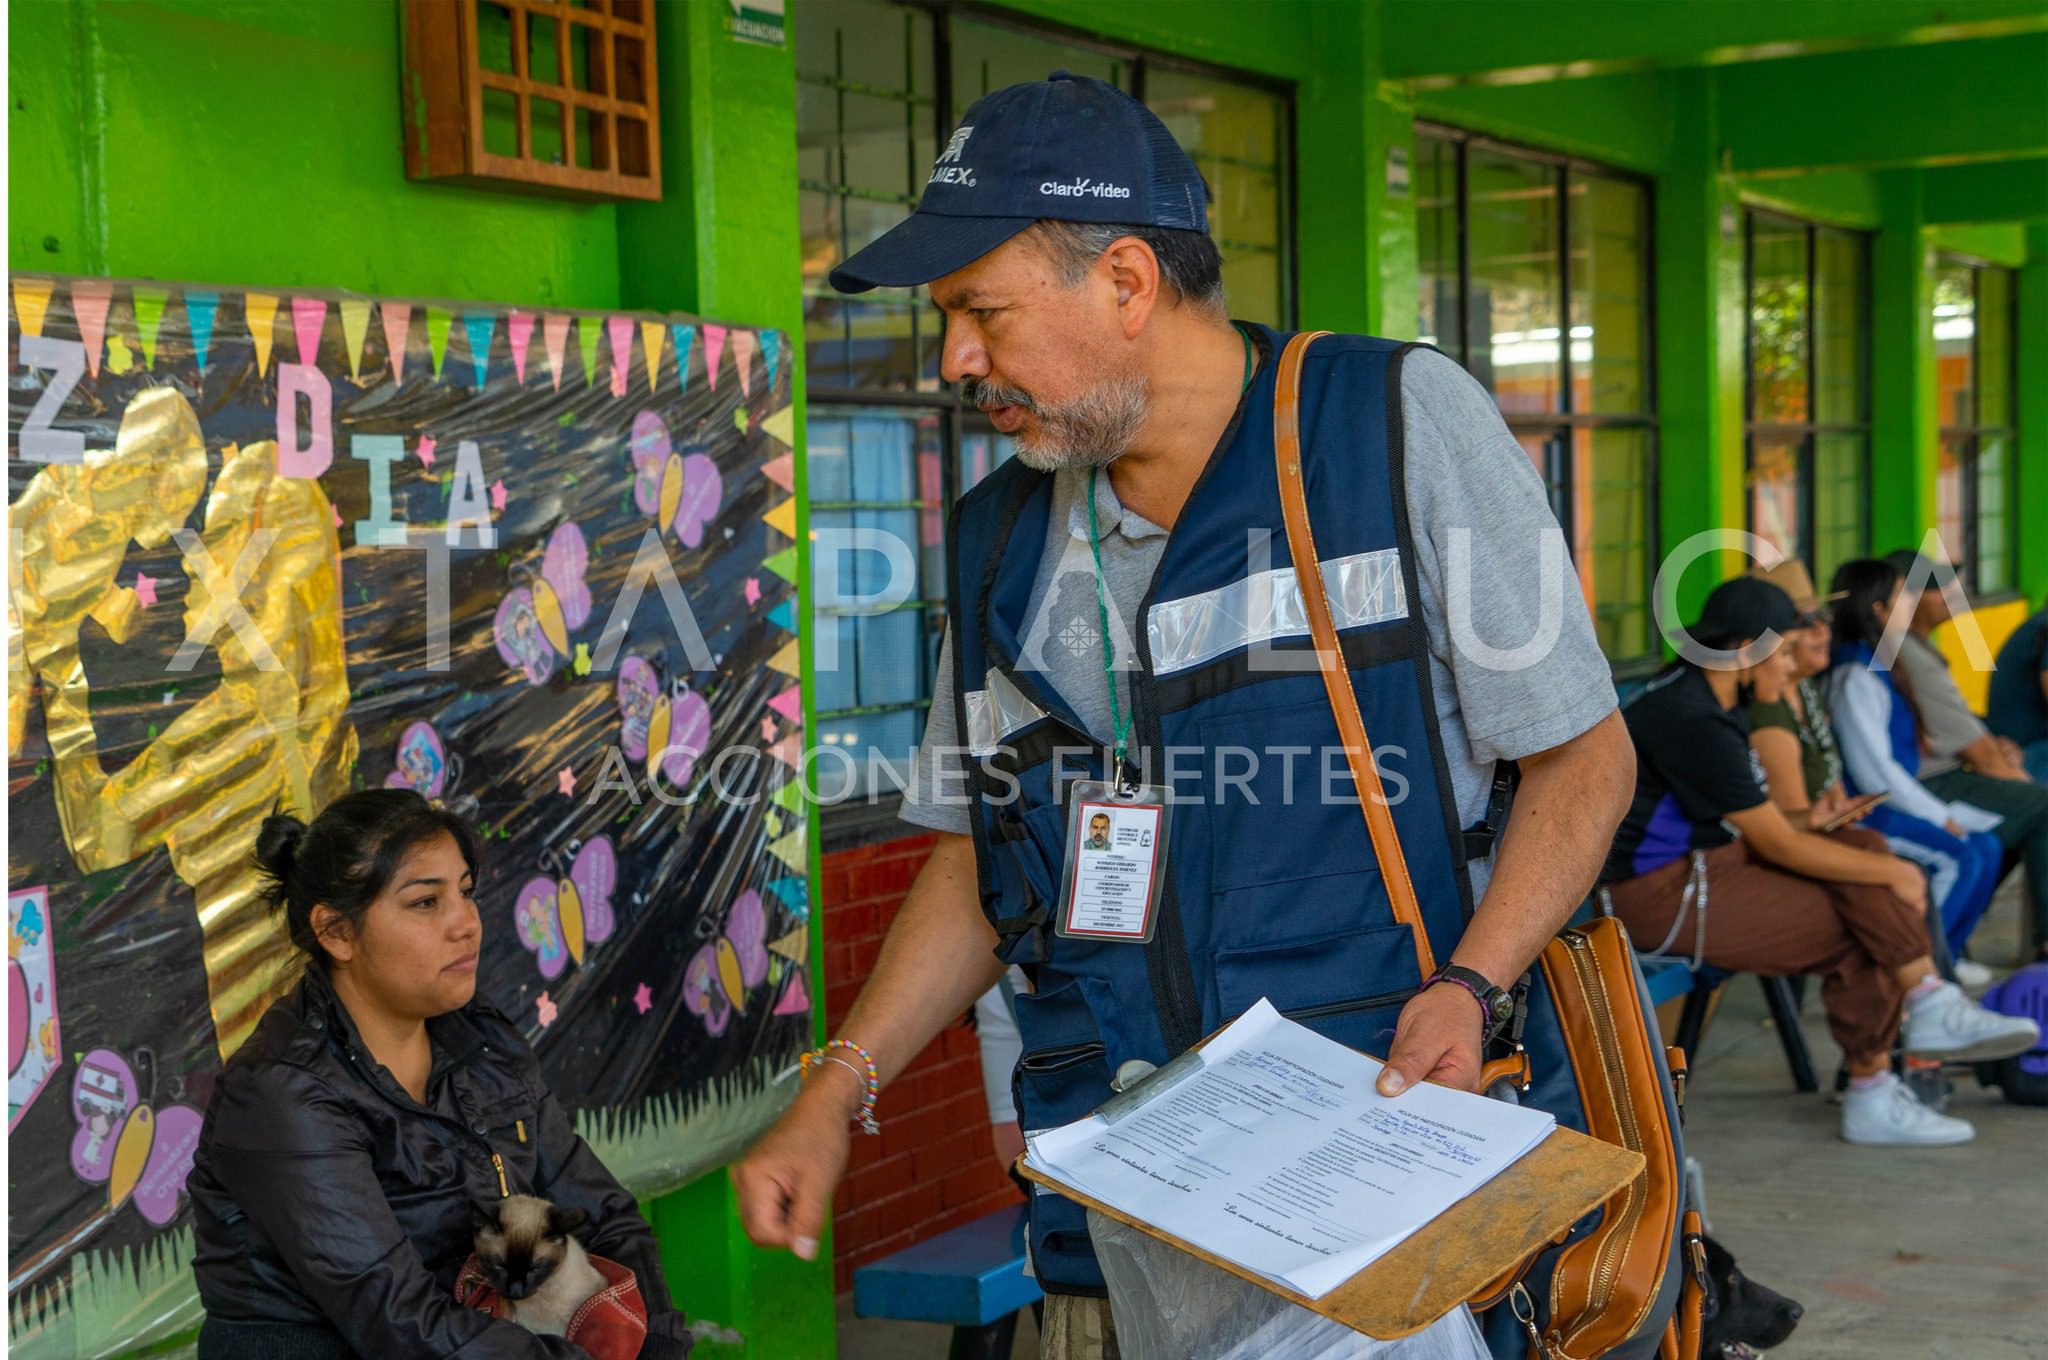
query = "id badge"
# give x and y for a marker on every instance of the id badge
(1116, 861)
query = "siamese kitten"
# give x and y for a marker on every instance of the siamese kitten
(528, 1255)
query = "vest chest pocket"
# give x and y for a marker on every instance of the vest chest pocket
(1348, 986)
(1279, 806)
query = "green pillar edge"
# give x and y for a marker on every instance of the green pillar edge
(723, 243)
(1903, 438)
(2030, 531)
(1699, 347)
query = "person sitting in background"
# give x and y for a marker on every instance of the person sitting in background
(995, 1029)
(1706, 864)
(377, 1103)
(2016, 710)
(1879, 737)
(1962, 759)
(1793, 737)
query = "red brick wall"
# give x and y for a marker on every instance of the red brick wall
(934, 1167)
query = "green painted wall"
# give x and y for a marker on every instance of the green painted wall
(258, 141)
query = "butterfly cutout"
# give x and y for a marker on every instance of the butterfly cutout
(680, 489)
(534, 621)
(667, 730)
(139, 1153)
(556, 918)
(716, 982)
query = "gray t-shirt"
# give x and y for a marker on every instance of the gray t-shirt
(1472, 492)
(1946, 723)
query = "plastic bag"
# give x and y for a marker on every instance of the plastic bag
(1169, 1305)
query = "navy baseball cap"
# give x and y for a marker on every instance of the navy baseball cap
(1744, 608)
(1069, 147)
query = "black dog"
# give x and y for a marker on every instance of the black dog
(1742, 1317)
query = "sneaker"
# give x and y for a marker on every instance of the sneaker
(1946, 1024)
(1972, 976)
(1886, 1115)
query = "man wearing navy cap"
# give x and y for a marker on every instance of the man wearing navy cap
(1123, 610)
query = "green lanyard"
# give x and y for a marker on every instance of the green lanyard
(1120, 719)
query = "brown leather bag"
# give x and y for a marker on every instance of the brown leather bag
(1607, 1285)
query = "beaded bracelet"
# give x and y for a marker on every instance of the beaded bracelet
(871, 1078)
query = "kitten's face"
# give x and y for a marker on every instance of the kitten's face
(521, 1242)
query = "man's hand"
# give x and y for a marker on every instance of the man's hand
(785, 1182)
(1437, 1039)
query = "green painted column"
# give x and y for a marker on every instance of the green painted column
(1903, 442)
(1699, 363)
(2032, 341)
(1355, 237)
(723, 243)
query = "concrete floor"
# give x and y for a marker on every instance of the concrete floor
(1895, 1254)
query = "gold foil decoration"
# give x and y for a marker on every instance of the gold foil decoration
(273, 735)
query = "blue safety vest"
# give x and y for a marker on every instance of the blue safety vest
(1271, 890)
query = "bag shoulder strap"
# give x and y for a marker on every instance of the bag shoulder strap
(1301, 545)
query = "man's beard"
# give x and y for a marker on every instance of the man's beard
(1091, 431)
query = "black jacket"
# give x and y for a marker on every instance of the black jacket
(332, 1210)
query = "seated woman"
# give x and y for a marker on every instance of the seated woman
(1766, 897)
(376, 1103)
(1793, 737)
(1880, 740)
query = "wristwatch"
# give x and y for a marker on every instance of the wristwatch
(1496, 1003)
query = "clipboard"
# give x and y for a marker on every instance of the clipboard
(1532, 1203)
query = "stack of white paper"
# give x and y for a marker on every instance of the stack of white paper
(1271, 1149)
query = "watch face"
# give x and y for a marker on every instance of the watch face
(1502, 1006)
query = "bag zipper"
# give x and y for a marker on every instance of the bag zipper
(1606, 1266)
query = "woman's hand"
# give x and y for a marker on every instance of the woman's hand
(786, 1180)
(1909, 883)
(1436, 1039)
(1831, 804)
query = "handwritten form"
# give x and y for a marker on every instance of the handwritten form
(1275, 1152)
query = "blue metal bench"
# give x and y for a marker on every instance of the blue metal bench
(972, 1278)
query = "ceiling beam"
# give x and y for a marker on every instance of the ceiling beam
(1995, 191)
(1518, 42)
(1948, 104)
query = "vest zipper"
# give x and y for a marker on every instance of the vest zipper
(1607, 1264)
(1365, 1003)
(498, 1165)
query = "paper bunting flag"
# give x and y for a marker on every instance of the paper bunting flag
(783, 564)
(743, 360)
(397, 326)
(783, 616)
(790, 798)
(149, 315)
(621, 329)
(32, 303)
(309, 315)
(714, 345)
(782, 518)
(653, 335)
(480, 326)
(789, 703)
(788, 660)
(782, 425)
(686, 338)
(796, 997)
(259, 313)
(782, 470)
(795, 893)
(519, 331)
(90, 299)
(790, 849)
(588, 329)
(771, 354)
(556, 329)
(199, 309)
(355, 325)
(795, 946)
(439, 322)
(790, 751)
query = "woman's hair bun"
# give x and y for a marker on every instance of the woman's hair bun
(277, 842)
